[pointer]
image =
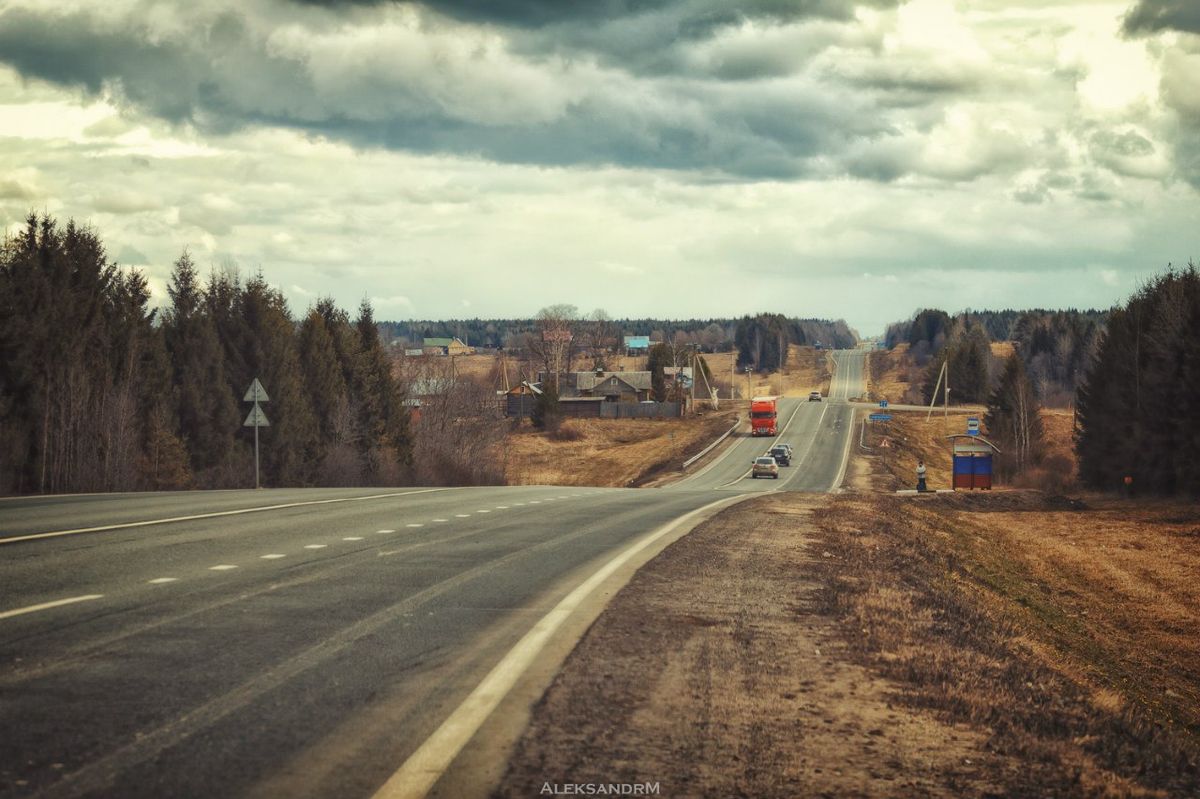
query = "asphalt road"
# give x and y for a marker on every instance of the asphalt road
(819, 433)
(303, 642)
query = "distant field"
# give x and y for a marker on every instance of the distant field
(609, 452)
(807, 370)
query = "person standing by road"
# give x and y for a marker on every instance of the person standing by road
(921, 476)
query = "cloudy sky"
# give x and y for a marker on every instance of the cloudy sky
(651, 157)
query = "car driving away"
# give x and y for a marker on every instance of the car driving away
(782, 454)
(765, 466)
(814, 396)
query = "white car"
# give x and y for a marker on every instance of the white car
(765, 465)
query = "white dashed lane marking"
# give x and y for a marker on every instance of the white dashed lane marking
(501, 507)
(273, 556)
(222, 567)
(483, 511)
(353, 538)
(462, 515)
(417, 524)
(381, 532)
(441, 520)
(161, 580)
(315, 546)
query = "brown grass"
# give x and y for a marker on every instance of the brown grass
(807, 370)
(892, 375)
(1003, 349)
(1049, 628)
(609, 452)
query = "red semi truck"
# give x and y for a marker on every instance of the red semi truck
(763, 416)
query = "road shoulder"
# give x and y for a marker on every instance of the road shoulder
(714, 673)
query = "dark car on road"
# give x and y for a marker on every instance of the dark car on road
(782, 454)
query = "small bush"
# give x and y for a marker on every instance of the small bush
(565, 432)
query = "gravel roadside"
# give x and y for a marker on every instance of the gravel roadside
(713, 673)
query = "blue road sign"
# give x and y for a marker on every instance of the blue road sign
(972, 426)
(883, 403)
(881, 417)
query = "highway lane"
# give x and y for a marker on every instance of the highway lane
(315, 673)
(309, 646)
(819, 433)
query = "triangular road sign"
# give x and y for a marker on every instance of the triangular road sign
(256, 418)
(256, 393)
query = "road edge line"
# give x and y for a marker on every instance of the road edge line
(213, 515)
(841, 478)
(426, 765)
(57, 603)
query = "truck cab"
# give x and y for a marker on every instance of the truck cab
(764, 416)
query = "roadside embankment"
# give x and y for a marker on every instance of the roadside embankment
(610, 452)
(1007, 643)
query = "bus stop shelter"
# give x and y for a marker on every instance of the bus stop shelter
(972, 461)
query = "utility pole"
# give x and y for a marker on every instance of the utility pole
(938, 385)
(693, 379)
(749, 388)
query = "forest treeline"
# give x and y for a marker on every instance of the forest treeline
(1054, 347)
(99, 392)
(709, 335)
(1139, 402)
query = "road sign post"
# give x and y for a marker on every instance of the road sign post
(256, 394)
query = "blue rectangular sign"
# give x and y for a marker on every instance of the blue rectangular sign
(883, 403)
(881, 417)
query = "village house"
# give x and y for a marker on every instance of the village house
(612, 386)
(445, 346)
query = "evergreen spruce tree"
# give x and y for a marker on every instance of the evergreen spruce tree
(383, 420)
(207, 411)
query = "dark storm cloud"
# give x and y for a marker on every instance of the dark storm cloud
(697, 18)
(231, 70)
(1149, 16)
(172, 80)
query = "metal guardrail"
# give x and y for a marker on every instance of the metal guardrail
(710, 447)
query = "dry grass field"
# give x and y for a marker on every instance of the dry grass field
(807, 370)
(892, 375)
(609, 452)
(1094, 595)
(1062, 630)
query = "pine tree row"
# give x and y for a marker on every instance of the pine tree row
(1139, 405)
(100, 393)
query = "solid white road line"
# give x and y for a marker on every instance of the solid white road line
(8, 614)
(222, 567)
(841, 476)
(214, 515)
(161, 580)
(273, 556)
(426, 765)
